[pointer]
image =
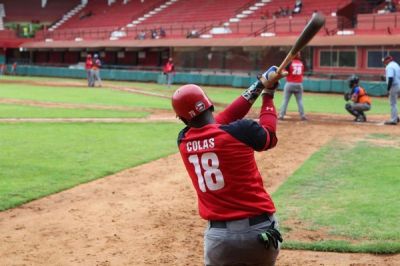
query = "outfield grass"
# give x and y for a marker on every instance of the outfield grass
(21, 111)
(34, 78)
(99, 96)
(313, 102)
(41, 159)
(347, 191)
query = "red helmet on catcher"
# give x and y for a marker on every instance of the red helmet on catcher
(189, 101)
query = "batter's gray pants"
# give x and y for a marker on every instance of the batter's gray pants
(96, 77)
(238, 244)
(170, 78)
(289, 89)
(89, 77)
(393, 94)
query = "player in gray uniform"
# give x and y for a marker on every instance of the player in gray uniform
(392, 70)
(96, 71)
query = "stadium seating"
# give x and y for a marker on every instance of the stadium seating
(183, 16)
(98, 20)
(273, 8)
(7, 34)
(378, 23)
(99, 14)
(31, 10)
(187, 11)
(268, 17)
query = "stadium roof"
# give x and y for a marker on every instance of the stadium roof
(351, 40)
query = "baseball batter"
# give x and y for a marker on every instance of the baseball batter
(294, 85)
(218, 153)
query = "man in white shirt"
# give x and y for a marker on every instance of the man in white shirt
(392, 70)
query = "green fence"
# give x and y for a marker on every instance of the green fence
(310, 84)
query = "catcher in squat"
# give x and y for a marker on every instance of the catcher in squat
(360, 101)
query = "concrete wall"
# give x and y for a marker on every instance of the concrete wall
(310, 84)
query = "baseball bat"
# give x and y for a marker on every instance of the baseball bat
(310, 30)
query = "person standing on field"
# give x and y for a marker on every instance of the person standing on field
(294, 85)
(2, 69)
(88, 68)
(392, 71)
(169, 71)
(218, 153)
(96, 71)
(14, 68)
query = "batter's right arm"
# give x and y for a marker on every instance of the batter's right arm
(241, 105)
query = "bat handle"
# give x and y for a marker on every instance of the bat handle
(285, 62)
(273, 78)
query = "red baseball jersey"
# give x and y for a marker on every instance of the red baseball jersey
(89, 63)
(220, 161)
(295, 71)
(169, 67)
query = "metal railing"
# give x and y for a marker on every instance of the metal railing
(266, 28)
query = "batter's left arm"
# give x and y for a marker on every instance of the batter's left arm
(241, 105)
(268, 120)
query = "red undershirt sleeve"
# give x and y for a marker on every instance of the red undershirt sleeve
(268, 119)
(236, 110)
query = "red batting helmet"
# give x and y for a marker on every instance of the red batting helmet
(189, 101)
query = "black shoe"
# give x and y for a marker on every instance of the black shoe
(361, 118)
(390, 122)
(364, 117)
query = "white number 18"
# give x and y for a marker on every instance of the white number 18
(210, 166)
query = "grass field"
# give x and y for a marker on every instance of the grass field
(20, 111)
(81, 96)
(350, 192)
(314, 103)
(39, 159)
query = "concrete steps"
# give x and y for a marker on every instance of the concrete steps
(67, 16)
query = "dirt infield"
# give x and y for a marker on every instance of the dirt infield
(148, 215)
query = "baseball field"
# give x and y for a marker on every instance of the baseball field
(92, 177)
